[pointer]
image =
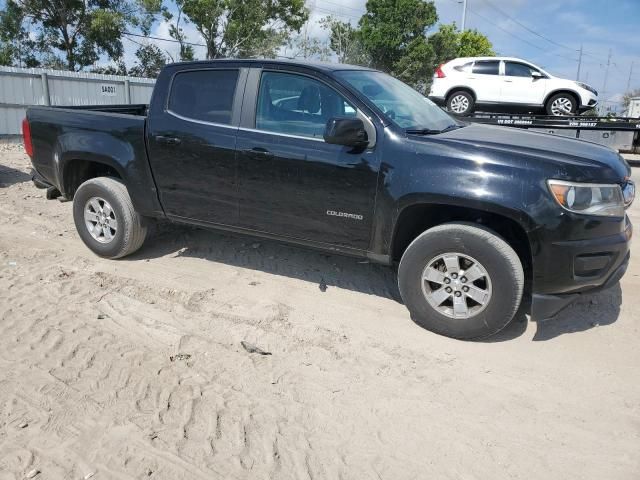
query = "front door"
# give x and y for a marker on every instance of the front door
(292, 183)
(192, 146)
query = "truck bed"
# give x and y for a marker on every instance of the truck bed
(76, 139)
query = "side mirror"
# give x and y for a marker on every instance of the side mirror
(536, 75)
(347, 131)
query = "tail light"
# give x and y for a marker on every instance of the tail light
(26, 136)
(439, 72)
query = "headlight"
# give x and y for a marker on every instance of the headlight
(587, 87)
(628, 193)
(588, 198)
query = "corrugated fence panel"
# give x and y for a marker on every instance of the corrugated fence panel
(21, 89)
(26, 86)
(11, 120)
(141, 93)
(79, 91)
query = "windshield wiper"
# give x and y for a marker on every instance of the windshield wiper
(431, 131)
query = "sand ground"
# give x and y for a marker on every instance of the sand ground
(134, 368)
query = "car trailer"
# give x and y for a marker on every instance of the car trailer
(621, 134)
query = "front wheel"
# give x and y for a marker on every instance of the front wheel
(461, 280)
(562, 104)
(105, 218)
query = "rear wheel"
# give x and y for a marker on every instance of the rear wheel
(460, 103)
(562, 104)
(105, 218)
(461, 281)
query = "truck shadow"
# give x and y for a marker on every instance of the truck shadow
(325, 270)
(10, 176)
(591, 311)
(336, 271)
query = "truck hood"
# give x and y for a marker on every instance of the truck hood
(569, 158)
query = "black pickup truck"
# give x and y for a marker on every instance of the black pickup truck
(352, 161)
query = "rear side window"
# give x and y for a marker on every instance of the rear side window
(487, 67)
(204, 95)
(513, 69)
(464, 68)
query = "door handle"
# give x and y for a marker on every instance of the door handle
(258, 153)
(508, 81)
(167, 140)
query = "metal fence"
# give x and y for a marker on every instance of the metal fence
(21, 87)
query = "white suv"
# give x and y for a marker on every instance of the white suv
(507, 85)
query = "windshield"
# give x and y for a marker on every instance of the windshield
(398, 101)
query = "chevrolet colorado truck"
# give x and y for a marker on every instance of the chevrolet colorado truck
(348, 160)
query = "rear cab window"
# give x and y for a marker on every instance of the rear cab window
(204, 95)
(486, 67)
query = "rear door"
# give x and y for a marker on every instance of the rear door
(484, 80)
(518, 86)
(291, 182)
(191, 144)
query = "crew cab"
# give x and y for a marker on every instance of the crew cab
(352, 161)
(507, 84)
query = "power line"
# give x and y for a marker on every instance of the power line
(529, 29)
(164, 39)
(517, 37)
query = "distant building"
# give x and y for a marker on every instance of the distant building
(633, 110)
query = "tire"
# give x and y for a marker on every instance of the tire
(124, 229)
(460, 103)
(472, 244)
(562, 104)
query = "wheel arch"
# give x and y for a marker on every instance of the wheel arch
(77, 169)
(418, 217)
(461, 88)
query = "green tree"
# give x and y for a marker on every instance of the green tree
(16, 47)
(393, 29)
(449, 43)
(415, 66)
(176, 32)
(241, 28)
(80, 30)
(305, 46)
(117, 68)
(150, 60)
(472, 43)
(345, 42)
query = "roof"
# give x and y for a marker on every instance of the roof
(321, 66)
(470, 59)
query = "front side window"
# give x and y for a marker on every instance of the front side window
(297, 105)
(487, 67)
(513, 69)
(205, 95)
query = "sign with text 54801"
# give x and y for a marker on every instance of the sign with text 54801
(108, 90)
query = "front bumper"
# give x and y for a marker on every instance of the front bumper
(596, 264)
(588, 100)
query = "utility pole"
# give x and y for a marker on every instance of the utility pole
(464, 14)
(606, 74)
(579, 64)
(630, 73)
